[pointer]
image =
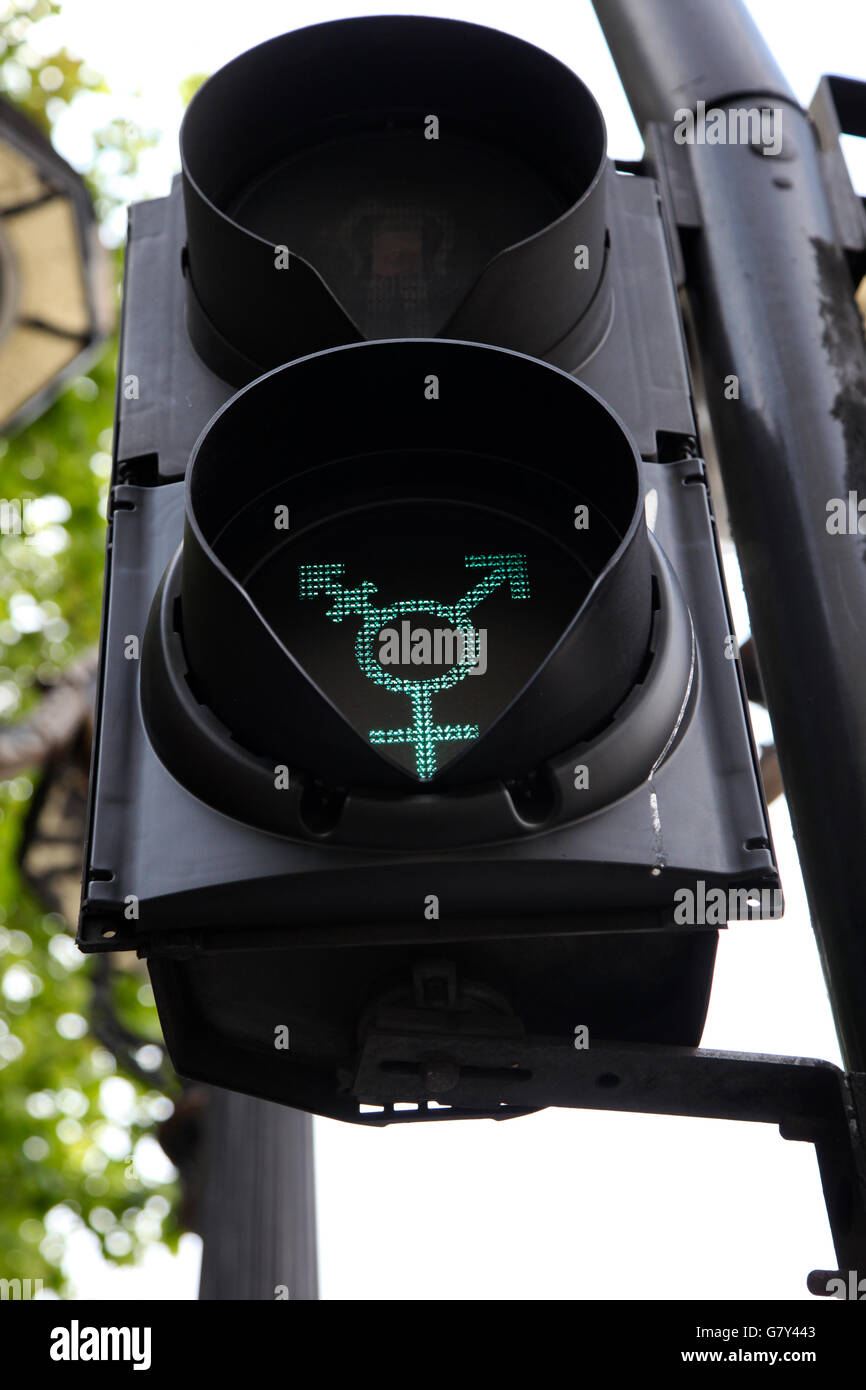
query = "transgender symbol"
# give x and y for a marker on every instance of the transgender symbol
(424, 734)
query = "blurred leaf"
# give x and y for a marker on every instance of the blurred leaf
(190, 85)
(66, 1156)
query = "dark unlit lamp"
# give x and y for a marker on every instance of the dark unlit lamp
(54, 306)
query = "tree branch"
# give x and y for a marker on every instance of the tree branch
(54, 724)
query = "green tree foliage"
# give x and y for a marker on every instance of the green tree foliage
(38, 86)
(190, 85)
(70, 1122)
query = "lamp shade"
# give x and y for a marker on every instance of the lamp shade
(54, 301)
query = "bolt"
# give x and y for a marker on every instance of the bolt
(440, 1074)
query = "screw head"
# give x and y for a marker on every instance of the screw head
(440, 1074)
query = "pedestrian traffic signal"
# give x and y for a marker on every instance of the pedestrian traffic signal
(417, 690)
(410, 178)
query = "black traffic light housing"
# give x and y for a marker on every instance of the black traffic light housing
(505, 854)
(425, 177)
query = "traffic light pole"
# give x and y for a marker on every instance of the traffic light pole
(257, 1202)
(769, 247)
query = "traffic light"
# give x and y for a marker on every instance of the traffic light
(419, 695)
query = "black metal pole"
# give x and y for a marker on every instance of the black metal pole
(257, 1201)
(673, 53)
(772, 295)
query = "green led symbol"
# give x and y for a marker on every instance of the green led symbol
(424, 734)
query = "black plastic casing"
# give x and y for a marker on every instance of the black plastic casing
(311, 88)
(570, 916)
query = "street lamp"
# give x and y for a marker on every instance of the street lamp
(54, 304)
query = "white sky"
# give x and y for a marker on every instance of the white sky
(562, 1205)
